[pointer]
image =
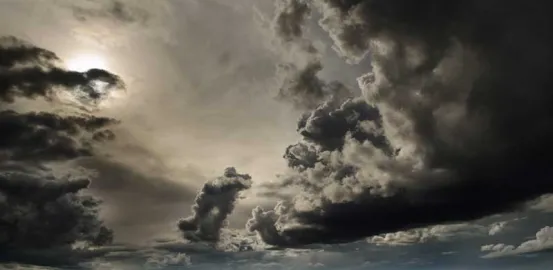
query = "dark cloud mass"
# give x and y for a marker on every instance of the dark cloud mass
(39, 136)
(214, 203)
(456, 123)
(39, 208)
(30, 72)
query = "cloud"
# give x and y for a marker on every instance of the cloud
(542, 242)
(31, 72)
(452, 137)
(432, 233)
(42, 135)
(41, 208)
(213, 205)
(544, 203)
(497, 227)
(299, 74)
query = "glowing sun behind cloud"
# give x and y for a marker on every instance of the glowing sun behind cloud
(84, 62)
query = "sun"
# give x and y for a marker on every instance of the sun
(84, 62)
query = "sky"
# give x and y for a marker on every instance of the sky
(275, 134)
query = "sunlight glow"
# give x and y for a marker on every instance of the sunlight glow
(84, 62)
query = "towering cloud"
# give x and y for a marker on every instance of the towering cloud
(213, 205)
(457, 121)
(39, 208)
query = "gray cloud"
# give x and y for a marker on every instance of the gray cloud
(27, 71)
(31, 72)
(301, 84)
(214, 203)
(455, 129)
(37, 136)
(39, 210)
(112, 9)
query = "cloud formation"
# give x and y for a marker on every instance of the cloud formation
(39, 207)
(42, 135)
(542, 242)
(31, 72)
(457, 120)
(433, 233)
(213, 204)
(39, 210)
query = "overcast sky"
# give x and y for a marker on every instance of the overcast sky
(283, 134)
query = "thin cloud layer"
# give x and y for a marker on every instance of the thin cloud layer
(462, 94)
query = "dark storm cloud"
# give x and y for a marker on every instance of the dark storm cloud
(48, 136)
(328, 125)
(213, 205)
(27, 71)
(463, 130)
(301, 84)
(39, 210)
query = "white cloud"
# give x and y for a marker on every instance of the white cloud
(433, 233)
(545, 204)
(497, 227)
(543, 241)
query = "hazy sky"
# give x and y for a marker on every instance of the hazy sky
(389, 135)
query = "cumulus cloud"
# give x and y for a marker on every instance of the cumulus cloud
(214, 203)
(542, 242)
(452, 137)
